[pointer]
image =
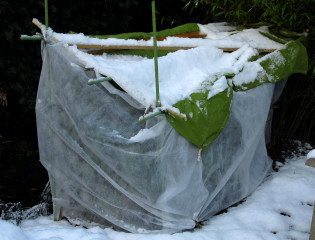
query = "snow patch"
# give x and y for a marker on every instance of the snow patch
(281, 208)
(148, 133)
(311, 154)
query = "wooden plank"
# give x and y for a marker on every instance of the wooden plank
(128, 47)
(183, 35)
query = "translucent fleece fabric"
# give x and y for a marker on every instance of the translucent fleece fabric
(100, 172)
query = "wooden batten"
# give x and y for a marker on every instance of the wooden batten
(126, 47)
(98, 49)
(183, 35)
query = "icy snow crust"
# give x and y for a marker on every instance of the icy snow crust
(180, 73)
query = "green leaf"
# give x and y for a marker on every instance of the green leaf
(206, 118)
(280, 65)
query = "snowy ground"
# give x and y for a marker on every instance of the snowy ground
(281, 208)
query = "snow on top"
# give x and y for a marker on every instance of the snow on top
(216, 37)
(311, 154)
(281, 208)
(219, 35)
(182, 72)
(216, 30)
(223, 31)
(217, 86)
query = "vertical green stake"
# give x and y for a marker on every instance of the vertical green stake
(156, 68)
(46, 14)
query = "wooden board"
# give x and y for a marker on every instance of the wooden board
(128, 47)
(183, 35)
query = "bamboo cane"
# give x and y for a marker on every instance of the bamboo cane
(34, 37)
(156, 68)
(98, 80)
(169, 112)
(149, 116)
(46, 14)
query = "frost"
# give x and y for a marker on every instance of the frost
(277, 60)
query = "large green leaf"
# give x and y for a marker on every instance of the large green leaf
(185, 28)
(279, 65)
(206, 118)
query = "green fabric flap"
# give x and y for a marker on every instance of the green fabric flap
(185, 28)
(279, 65)
(140, 52)
(206, 118)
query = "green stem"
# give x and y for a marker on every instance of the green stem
(149, 116)
(157, 91)
(98, 80)
(272, 37)
(53, 194)
(24, 37)
(46, 14)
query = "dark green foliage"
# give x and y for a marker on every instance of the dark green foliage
(104, 17)
(294, 114)
(98, 17)
(293, 14)
(20, 65)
